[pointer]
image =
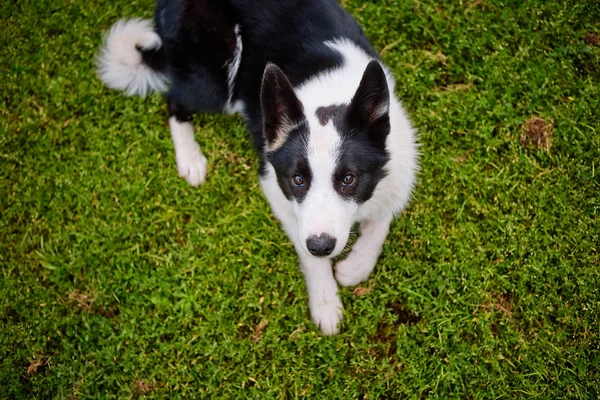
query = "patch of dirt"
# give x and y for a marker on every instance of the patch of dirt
(75, 390)
(11, 316)
(86, 303)
(454, 87)
(37, 363)
(143, 387)
(403, 315)
(243, 331)
(468, 337)
(464, 157)
(537, 132)
(108, 312)
(472, 5)
(502, 303)
(259, 330)
(591, 39)
(387, 329)
(438, 57)
(361, 290)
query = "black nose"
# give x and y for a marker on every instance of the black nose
(321, 245)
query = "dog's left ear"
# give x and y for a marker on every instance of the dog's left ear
(281, 109)
(370, 106)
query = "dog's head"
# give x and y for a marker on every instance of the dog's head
(328, 160)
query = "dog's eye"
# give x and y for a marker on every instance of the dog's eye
(349, 180)
(298, 180)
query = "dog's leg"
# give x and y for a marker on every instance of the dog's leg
(364, 254)
(191, 163)
(326, 309)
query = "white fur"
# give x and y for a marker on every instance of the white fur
(237, 107)
(361, 260)
(323, 210)
(232, 69)
(191, 163)
(120, 64)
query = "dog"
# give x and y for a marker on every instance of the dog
(336, 147)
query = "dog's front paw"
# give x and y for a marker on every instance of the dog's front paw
(353, 270)
(327, 315)
(191, 164)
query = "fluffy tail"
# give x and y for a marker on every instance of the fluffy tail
(130, 58)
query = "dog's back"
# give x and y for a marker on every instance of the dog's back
(290, 34)
(203, 41)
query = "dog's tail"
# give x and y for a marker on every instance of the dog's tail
(132, 59)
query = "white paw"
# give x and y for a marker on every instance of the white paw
(191, 164)
(352, 270)
(327, 315)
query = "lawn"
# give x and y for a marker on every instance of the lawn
(119, 280)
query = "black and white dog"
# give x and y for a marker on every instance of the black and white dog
(336, 146)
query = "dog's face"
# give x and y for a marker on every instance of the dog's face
(328, 161)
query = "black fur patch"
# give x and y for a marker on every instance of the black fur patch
(358, 157)
(290, 160)
(154, 58)
(198, 41)
(335, 113)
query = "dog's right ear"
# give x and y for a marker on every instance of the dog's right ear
(370, 106)
(281, 109)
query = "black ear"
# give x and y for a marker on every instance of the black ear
(281, 109)
(369, 108)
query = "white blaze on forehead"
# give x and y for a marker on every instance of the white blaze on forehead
(323, 146)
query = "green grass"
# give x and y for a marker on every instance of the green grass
(119, 280)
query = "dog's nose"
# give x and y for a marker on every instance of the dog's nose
(321, 245)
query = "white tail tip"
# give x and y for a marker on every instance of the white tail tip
(120, 63)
